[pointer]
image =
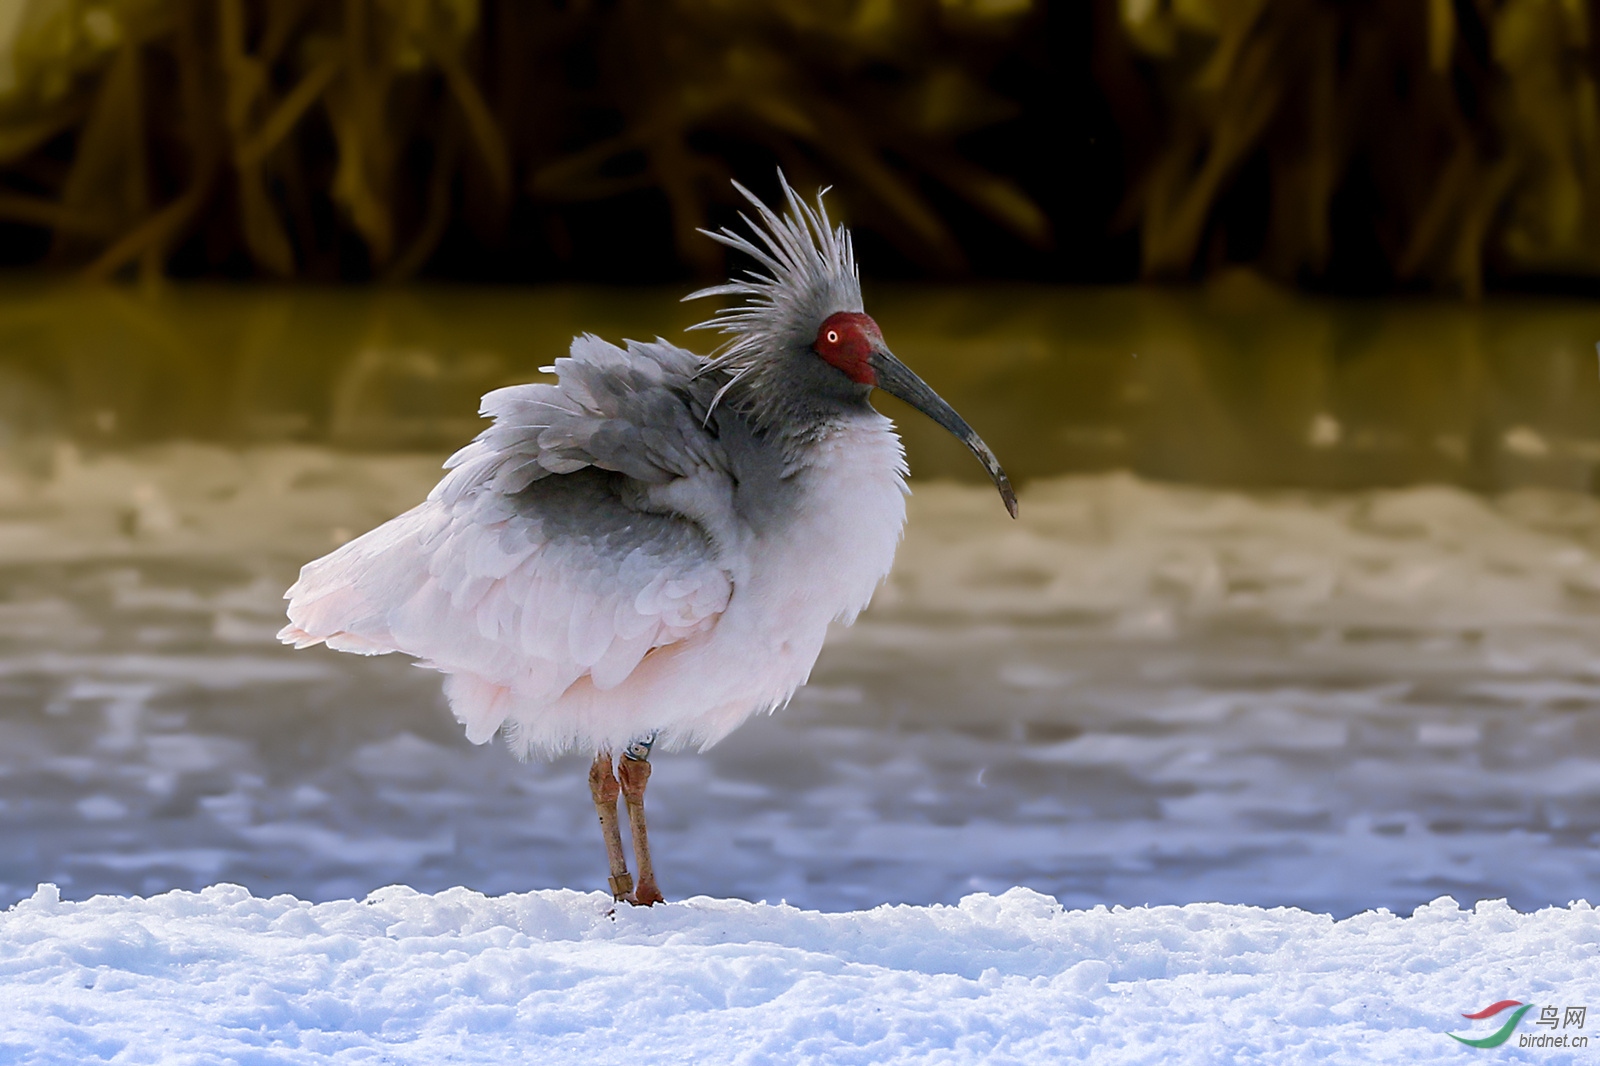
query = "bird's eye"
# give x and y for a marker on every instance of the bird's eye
(833, 336)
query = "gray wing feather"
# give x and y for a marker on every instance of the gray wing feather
(541, 557)
(638, 412)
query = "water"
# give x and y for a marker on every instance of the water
(1144, 691)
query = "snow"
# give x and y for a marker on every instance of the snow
(552, 977)
(557, 976)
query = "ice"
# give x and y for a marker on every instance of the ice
(1139, 693)
(561, 976)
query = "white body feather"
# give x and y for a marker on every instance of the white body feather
(561, 646)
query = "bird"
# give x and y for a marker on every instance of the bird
(650, 550)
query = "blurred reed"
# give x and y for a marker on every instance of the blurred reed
(287, 127)
(1345, 144)
(1463, 136)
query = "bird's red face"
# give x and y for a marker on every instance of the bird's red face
(852, 342)
(847, 340)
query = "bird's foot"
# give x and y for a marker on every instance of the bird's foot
(621, 887)
(647, 895)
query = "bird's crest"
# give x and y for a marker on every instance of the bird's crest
(809, 273)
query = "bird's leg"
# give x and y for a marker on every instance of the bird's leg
(603, 786)
(634, 770)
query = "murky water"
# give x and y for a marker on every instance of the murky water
(1144, 691)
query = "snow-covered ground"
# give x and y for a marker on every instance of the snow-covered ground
(556, 977)
(1139, 693)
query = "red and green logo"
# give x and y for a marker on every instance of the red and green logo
(1549, 1017)
(1500, 1035)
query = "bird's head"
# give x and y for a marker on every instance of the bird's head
(800, 347)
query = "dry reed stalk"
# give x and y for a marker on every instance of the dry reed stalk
(1476, 126)
(239, 123)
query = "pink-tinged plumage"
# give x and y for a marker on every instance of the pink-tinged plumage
(653, 547)
(564, 647)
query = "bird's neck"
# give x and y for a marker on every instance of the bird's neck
(776, 464)
(796, 401)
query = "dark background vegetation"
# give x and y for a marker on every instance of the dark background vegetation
(1341, 145)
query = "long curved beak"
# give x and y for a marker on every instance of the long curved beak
(895, 378)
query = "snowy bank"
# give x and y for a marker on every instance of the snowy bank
(555, 976)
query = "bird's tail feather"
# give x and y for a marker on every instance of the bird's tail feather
(343, 599)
